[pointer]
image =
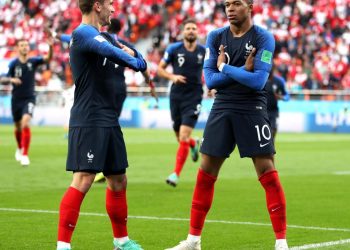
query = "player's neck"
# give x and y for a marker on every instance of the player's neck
(190, 46)
(23, 58)
(238, 31)
(91, 19)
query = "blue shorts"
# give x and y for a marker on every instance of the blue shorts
(224, 130)
(185, 112)
(96, 150)
(21, 107)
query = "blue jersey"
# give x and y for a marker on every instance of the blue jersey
(93, 61)
(188, 64)
(25, 72)
(275, 85)
(119, 71)
(237, 89)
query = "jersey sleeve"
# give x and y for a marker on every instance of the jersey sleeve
(91, 40)
(65, 38)
(212, 76)
(283, 89)
(168, 54)
(11, 70)
(262, 64)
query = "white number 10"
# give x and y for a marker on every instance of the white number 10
(265, 132)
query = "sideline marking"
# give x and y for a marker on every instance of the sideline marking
(342, 173)
(178, 219)
(323, 244)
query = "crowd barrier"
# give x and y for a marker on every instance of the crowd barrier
(145, 112)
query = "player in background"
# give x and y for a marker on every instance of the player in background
(276, 90)
(21, 74)
(95, 142)
(186, 58)
(112, 36)
(238, 117)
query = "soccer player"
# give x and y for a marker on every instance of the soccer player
(238, 117)
(21, 75)
(121, 89)
(112, 35)
(95, 140)
(276, 90)
(186, 59)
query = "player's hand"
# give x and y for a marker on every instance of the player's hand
(15, 81)
(249, 62)
(211, 93)
(221, 57)
(178, 79)
(153, 90)
(126, 49)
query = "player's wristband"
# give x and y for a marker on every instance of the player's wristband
(221, 67)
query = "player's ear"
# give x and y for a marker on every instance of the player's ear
(97, 6)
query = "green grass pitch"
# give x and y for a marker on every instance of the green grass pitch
(314, 170)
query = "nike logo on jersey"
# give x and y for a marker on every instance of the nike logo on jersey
(263, 145)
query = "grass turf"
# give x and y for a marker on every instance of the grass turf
(314, 169)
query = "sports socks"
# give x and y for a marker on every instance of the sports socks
(181, 156)
(201, 201)
(276, 202)
(26, 135)
(117, 209)
(69, 213)
(18, 135)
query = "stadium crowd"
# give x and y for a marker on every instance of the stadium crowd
(313, 36)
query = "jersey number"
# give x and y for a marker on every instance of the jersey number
(18, 72)
(181, 61)
(264, 131)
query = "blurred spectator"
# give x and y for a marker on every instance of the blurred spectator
(312, 36)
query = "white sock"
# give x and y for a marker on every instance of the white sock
(281, 241)
(122, 240)
(63, 245)
(193, 238)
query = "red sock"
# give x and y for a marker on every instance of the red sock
(192, 143)
(181, 156)
(201, 201)
(18, 135)
(69, 213)
(276, 202)
(117, 209)
(25, 140)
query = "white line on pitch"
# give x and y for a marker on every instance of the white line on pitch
(323, 244)
(342, 173)
(178, 219)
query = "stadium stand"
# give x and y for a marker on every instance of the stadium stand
(313, 36)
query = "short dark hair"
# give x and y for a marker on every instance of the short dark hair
(21, 40)
(85, 6)
(115, 26)
(189, 20)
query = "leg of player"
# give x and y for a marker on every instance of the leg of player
(181, 155)
(70, 207)
(275, 199)
(117, 209)
(201, 201)
(194, 145)
(18, 136)
(26, 136)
